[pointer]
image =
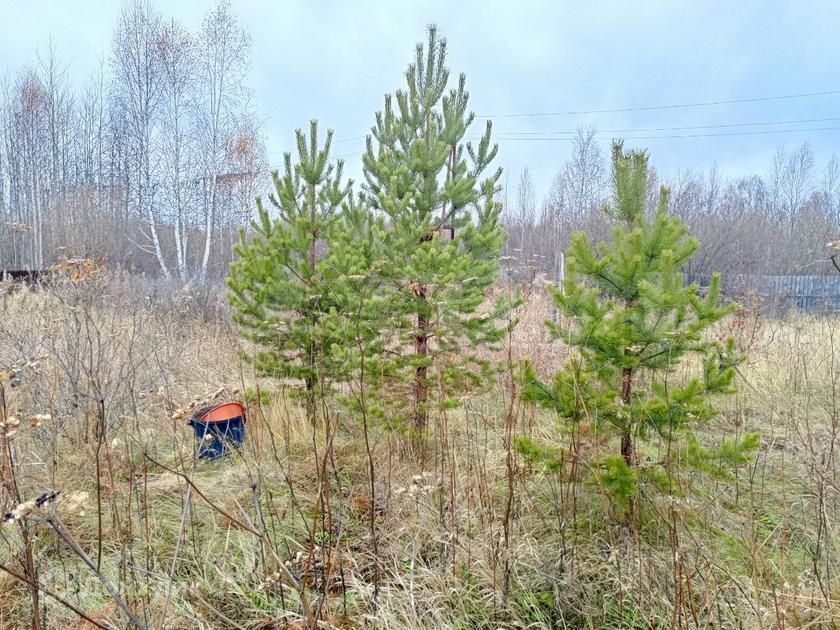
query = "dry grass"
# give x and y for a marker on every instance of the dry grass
(756, 551)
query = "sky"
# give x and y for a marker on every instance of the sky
(334, 61)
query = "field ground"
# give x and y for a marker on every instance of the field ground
(295, 526)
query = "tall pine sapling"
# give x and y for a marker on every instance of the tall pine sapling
(277, 284)
(442, 234)
(632, 320)
(360, 309)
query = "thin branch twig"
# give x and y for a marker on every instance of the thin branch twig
(57, 598)
(59, 529)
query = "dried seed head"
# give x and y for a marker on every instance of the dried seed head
(27, 508)
(75, 503)
(38, 419)
(47, 497)
(21, 511)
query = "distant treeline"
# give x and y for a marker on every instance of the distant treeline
(153, 163)
(776, 223)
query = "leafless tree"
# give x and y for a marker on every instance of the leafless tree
(790, 181)
(158, 148)
(583, 174)
(29, 164)
(137, 81)
(798, 179)
(247, 165)
(746, 225)
(90, 153)
(58, 112)
(831, 188)
(178, 172)
(574, 199)
(526, 209)
(223, 53)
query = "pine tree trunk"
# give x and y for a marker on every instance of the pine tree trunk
(421, 389)
(626, 435)
(421, 349)
(310, 399)
(311, 380)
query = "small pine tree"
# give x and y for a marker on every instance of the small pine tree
(632, 320)
(442, 236)
(360, 310)
(277, 284)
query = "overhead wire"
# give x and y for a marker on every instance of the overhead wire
(683, 128)
(670, 136)
(756, 99)
(553, 135)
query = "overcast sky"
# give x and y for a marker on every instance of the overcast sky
(334, 61)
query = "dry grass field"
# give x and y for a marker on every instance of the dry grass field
(336, 526)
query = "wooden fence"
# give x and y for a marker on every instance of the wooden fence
(775, 295)
(778, 294)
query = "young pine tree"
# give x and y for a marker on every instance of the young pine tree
(360, 313)
(632, 320)
(442, 234)
(277, 284)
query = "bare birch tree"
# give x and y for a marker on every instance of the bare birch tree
(831, 188)
(223, 55)
(797, 181)
(526, 210)
(137, 80)
(584, 175)
(178, 173)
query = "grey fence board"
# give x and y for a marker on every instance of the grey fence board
(781, 293)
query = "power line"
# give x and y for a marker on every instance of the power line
(549, 135)
(504, 134)
(756, 99)
(698, 135)
(665, 137)
(686, 128)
